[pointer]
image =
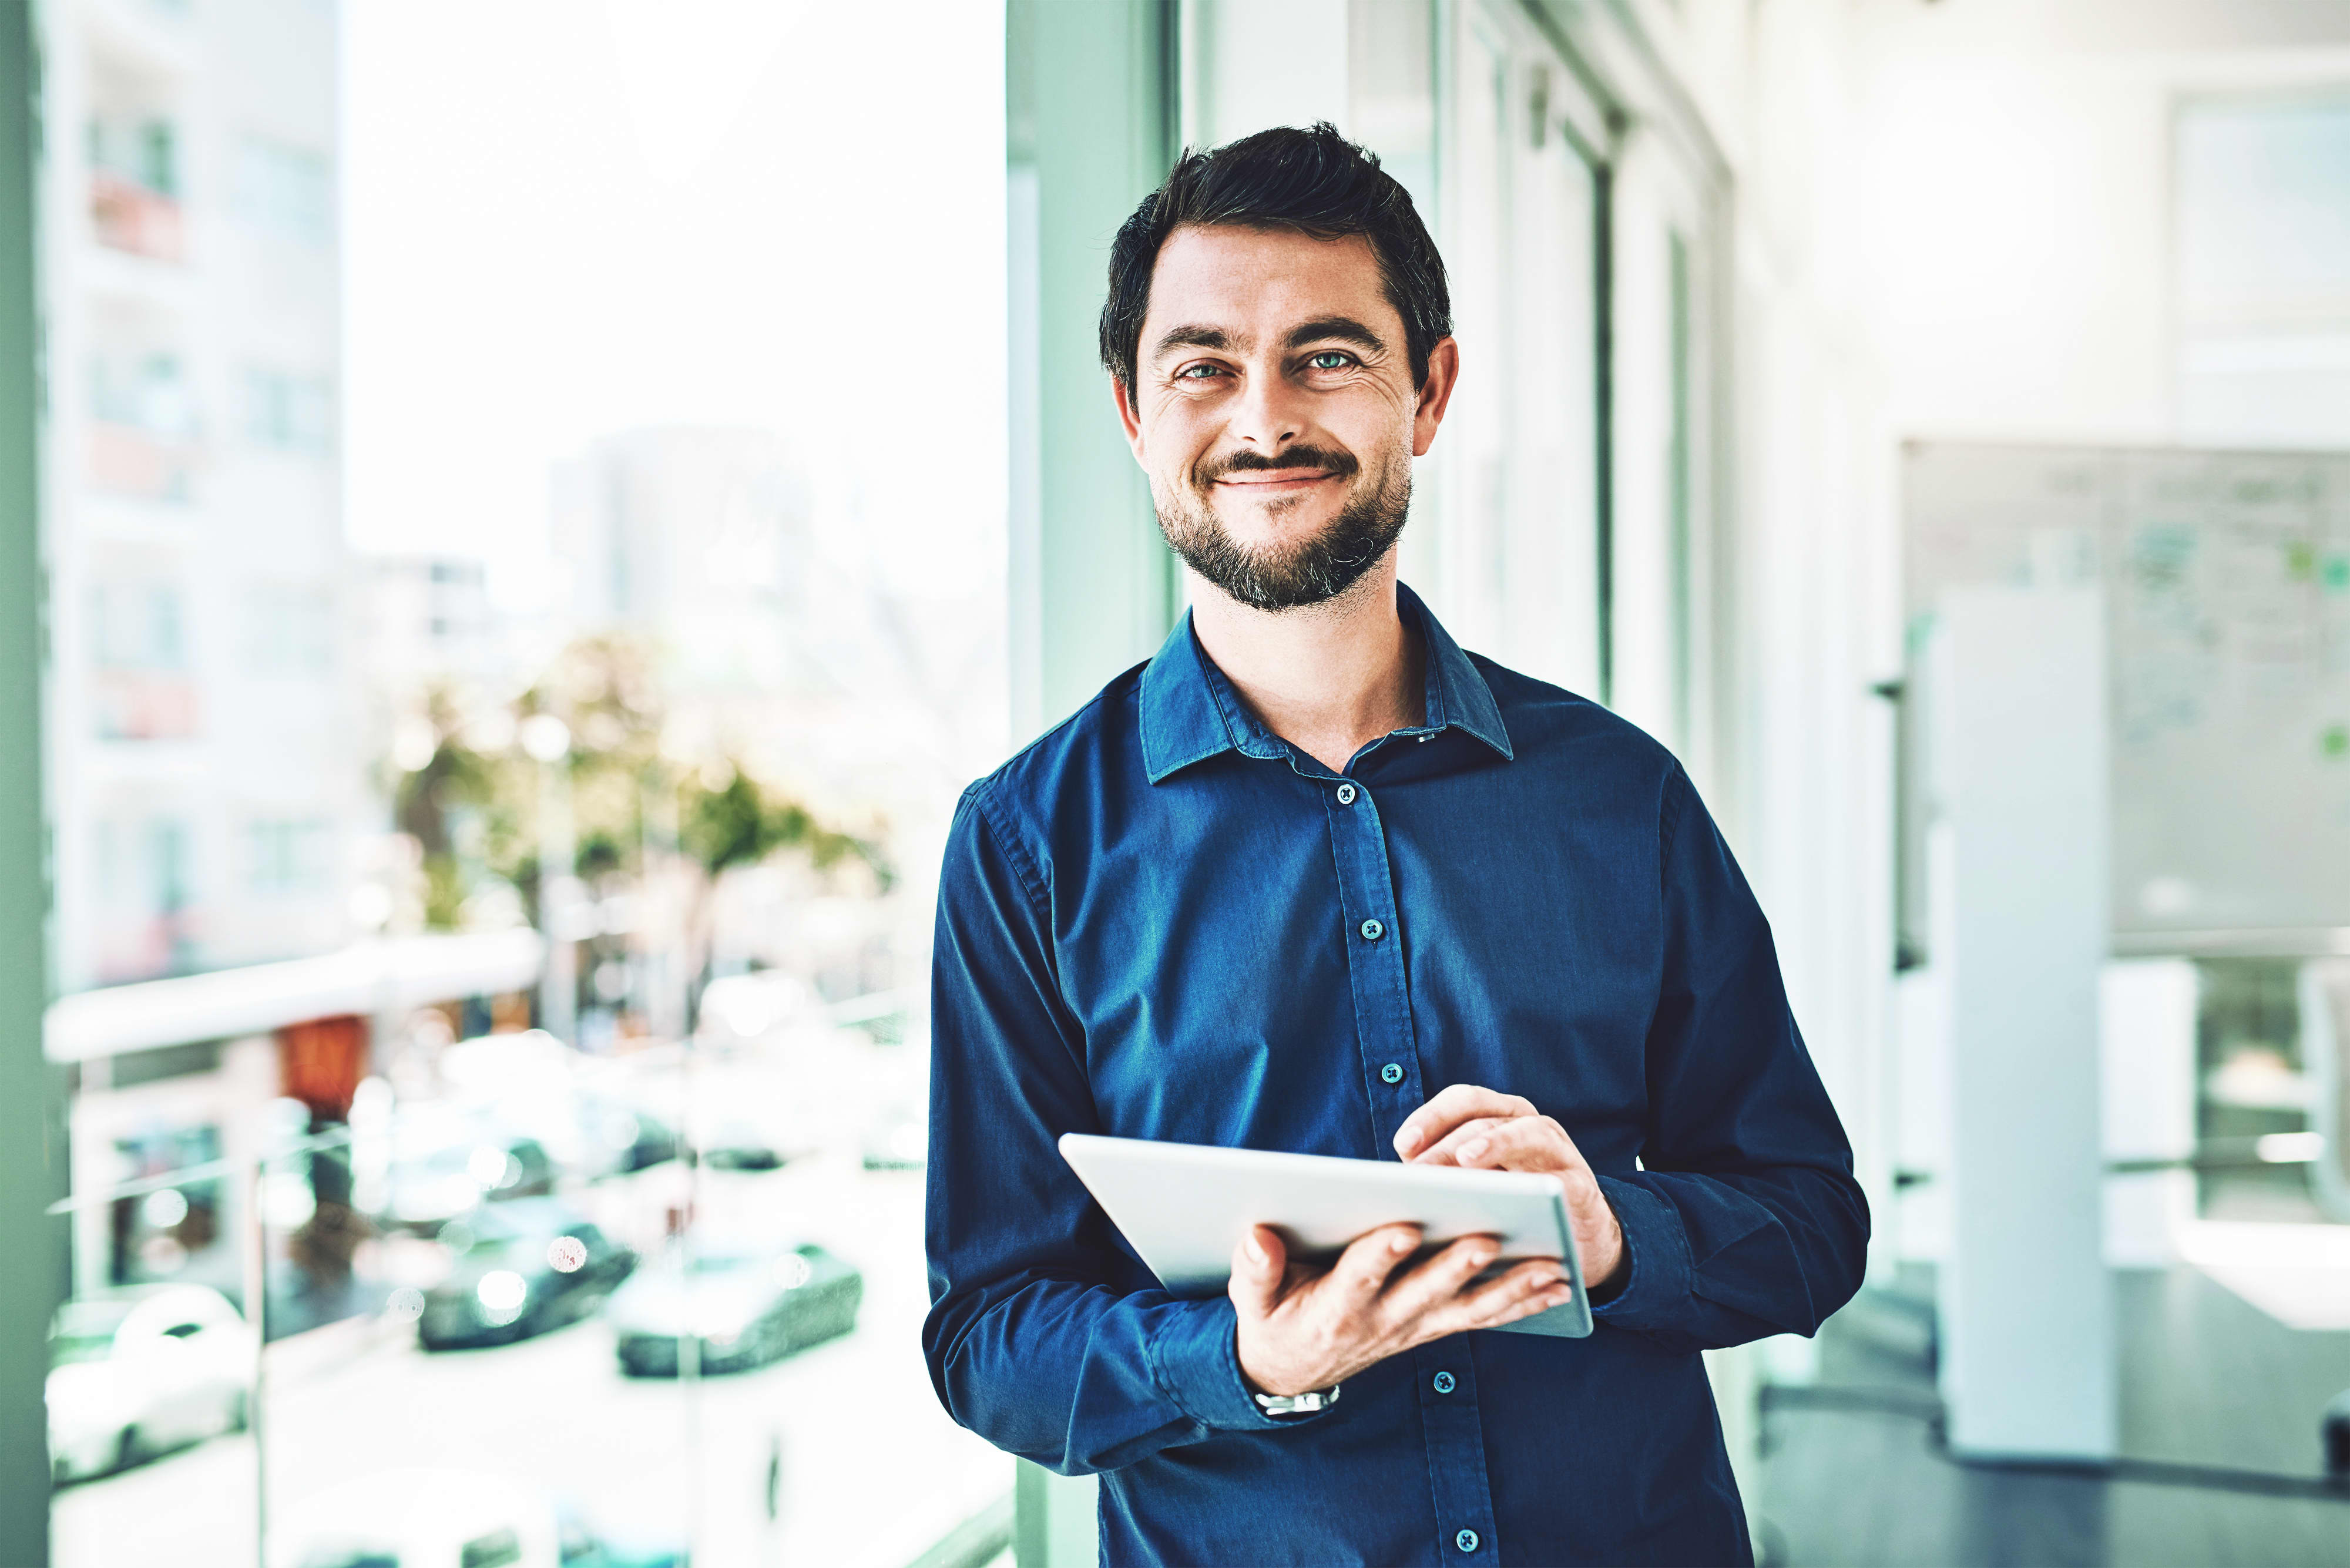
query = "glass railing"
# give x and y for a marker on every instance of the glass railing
(538, 1307)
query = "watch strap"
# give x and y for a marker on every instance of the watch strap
(1305, 1404)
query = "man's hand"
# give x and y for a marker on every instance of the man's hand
(1304, 1328)
(1467, 1125)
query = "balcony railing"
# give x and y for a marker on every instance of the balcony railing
(130, 461)
(143, 705)
(128, 216)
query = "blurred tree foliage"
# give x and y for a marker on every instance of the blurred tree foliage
(473, 807)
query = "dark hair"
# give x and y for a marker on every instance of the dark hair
(1314, 181)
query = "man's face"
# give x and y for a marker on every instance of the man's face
(1275, 410)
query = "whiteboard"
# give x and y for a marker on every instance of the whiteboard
(2227, 579)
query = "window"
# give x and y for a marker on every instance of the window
(463, 893)
(2263, 271)
(148, 392)
(288, 629)
(134, 174)
(137, 626)
(284, 858)
(140, 683)
(143, 152)
(285, 191)
(288, 414)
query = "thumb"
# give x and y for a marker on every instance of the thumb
(1258, 1265)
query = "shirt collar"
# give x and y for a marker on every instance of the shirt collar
(1190, 712)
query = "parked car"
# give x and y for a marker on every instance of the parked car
(739, 1144)
(431, 1186)
(635, 1138)
(743, 1307)
(520, 1268)
(447, 1518)
(136, 1372)
(590, 1136)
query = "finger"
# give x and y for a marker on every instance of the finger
(1259, 1268)
(1534, 1302)
(1447, 1108)
(1445, 1150)
(1362, 1270)
(1530, 1143)
(1535, 1286)
(1439, 1280)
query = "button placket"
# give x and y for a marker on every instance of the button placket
(1383, 1025)
(1456, 1447)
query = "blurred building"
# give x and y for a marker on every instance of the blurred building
(207, 776)
(202, 780)
(202, 761)
(428, 617)
(700, 538)
(784, 642)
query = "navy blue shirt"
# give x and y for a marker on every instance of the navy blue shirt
(1158, 922)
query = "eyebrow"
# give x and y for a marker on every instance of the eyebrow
(1214, 338)
(1343, 328)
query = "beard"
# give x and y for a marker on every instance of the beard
(1310, 571)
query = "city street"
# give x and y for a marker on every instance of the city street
(872, 1470)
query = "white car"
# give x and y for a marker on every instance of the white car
(137, 1372)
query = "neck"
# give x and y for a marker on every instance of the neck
(1328, 678)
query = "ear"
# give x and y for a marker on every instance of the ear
(1128, 415)
(1435, 392)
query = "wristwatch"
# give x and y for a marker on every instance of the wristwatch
(1304, 1404)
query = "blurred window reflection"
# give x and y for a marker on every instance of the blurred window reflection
(2263, 271)
(509, 688)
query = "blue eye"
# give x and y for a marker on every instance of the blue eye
(1197, 372)
(1330, 359)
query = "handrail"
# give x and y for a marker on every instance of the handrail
(207, 1170)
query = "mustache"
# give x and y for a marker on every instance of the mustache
(1330, 461)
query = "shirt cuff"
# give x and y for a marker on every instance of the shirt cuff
(1656, 1258)
(1195, 1360)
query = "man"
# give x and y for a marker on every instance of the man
(1316, 879)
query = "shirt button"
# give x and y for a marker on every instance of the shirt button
(1372, 930)
(1444, 1385)
(1466, 1540)
(1391, 1073)
(1346, 795)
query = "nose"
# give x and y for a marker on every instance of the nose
(1269, 414)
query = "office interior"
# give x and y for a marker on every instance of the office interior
(520, 520)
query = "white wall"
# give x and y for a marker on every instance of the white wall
(2017, 193)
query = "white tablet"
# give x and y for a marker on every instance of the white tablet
(1184, 1207)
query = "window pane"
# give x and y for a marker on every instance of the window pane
(527, 532)
(2263, 271)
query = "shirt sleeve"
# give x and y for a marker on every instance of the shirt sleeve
(1745, 1220)
(1029, 1343)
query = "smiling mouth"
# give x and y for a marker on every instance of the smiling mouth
(1277, 480)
